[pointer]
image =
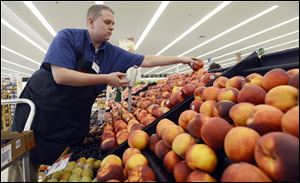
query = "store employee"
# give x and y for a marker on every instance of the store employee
(77, 67)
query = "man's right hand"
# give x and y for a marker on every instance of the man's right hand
(117, 79)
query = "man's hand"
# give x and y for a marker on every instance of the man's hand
(194, 63)
(117, 79)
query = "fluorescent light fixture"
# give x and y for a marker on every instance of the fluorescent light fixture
(22, 35)
(99, 2)
(251, 46)
(19, 54)
(251, 36)
(40, 17)
(157, 14)
(201, 21)
(231, 29)
(16, 64)
(271, 47)
(12, 70)
(246, 54)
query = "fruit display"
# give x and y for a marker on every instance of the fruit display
(233, 128)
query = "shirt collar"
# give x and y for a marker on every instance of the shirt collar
(90, 43)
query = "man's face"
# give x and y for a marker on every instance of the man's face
(103, 26)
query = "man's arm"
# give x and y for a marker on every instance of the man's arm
(152, 61)
(64, 76)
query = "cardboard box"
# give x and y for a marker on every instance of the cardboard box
(14, 145)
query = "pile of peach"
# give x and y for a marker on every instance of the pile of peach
(254, 119)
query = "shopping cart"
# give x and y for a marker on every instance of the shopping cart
(25, 159)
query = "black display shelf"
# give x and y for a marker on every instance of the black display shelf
(251, 64)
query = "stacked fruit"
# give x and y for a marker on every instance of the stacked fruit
(82, 170)
(133, 167)
(255, 120)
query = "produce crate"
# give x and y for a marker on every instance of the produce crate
(286, 60)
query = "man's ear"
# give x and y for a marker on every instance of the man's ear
(91, 22)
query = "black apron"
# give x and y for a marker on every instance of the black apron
(62, 112)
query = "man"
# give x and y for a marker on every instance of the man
(77, 67)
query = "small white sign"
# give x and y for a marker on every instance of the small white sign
(59, 165)
(95, 67)
(6, 155)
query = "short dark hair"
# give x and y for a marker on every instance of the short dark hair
(95, 10)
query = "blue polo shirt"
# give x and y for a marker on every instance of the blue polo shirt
(68, 42)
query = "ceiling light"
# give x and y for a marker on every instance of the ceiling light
(251, 36)
(99, 2)
(4, 68)
(22, 35)
(201, 21)
(16, 64)
(19, 54)
(157, 14)
(40, 17)
(269, 40)
(232, 29)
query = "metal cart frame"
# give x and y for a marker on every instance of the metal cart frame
(25, 159)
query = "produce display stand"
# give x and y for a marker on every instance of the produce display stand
(286, 60)
(18, 144)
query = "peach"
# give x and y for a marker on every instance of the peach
(294, 81)
(228, 94)
(170, 160)
(127, 117)
(235, 82)
(136, 126)
(277, 154)
(131, 123)
(252, 94)
(240, 112)
(176, 89)
(293, 72)
(254, 79)
(161, 126)
(185, 117)
(176, 98)
(148, 120)
(110, 160)
(107, 134)
(244, 172)
(220, 82)
(181, 171)
(198, 92)
(208, 107)
(197, 66)
(283, 97)
(222, 109)
(170, 133)
(195, 125)
(181, 144)
(201, 156)
(213, 132)
(138, 139)
(188, 89)
(158, 111)
(108, 144)
(239, 144)
(290, 121)
(195, 105)
(273, 78)
(160, 149)
(265, 119)
(122, 136)
(152, 141)
(208, 77)
(129, 152)
(200, 176)
(210, 93)
(134, 161)
(108, 128)
(142, 173)
(111, 172)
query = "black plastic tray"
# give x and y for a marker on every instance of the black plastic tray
(250, 64)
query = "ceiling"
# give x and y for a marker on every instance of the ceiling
(132, 17)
